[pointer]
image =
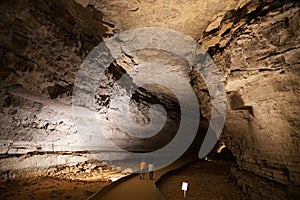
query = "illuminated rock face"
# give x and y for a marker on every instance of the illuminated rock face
(259, 57)
(255, 45)
(42, 46)
(189, 17)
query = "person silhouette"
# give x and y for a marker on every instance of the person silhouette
(151, 169)
(142, 169)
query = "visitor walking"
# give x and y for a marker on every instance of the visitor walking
(151, 169)
(142, 169)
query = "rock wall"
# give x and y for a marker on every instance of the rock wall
(42, 44)
(257, 49)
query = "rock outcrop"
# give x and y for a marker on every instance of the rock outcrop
(257, 49)
(42, 46)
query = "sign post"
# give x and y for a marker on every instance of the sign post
(184, 188)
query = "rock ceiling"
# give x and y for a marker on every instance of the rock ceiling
(190, 17)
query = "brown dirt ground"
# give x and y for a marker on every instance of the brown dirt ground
(208, 180)
(49, 188)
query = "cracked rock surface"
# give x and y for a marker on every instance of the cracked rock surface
(255, 45)
(259, 54)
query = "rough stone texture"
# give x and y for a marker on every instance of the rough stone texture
(258, 52)
(254, 43)
(189, 17)
(42, 45)
(91, 170)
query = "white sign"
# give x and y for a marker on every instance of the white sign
(184, 186)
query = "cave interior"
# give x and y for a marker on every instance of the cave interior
(142, 96)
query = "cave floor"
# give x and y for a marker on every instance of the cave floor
(49, 188)
(207, 180)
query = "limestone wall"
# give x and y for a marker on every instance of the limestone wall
(258, 51)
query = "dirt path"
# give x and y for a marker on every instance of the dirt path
(207, 180)
(135, 188)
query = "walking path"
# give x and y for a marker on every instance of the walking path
(136, 189)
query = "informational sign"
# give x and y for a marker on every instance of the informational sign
(184, 187)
